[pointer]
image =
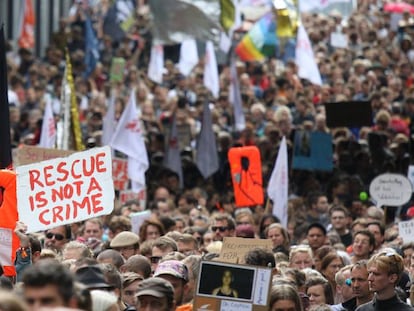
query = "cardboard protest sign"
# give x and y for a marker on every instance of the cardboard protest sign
(31, 154)
(65, 190)
(230, 287)
(390, 190)
(120, 173)
(406, 230)
(234, 249)
(349, 114)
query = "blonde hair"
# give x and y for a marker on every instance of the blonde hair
(388, 261)
(294, 250)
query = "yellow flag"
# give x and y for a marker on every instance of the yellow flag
(227, 14)
(76, 130)
(287, 19)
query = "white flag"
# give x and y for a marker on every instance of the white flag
(109, 123)
(172, 158)
(48, 134)
(277, 189)
(188, 56)
(235, 98)
(211, 77)
(156, 63)
(312, 5)
(128, 139)
(207, 157)
(305, 59)
(344, 7)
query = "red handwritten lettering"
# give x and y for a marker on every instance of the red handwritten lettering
(34, 179)
(46, 172)
(93, 185)
(42, 217)
(56, 212)
(100, 168)
(96, 202)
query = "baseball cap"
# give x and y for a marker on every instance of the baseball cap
(91, 277)
(156, 287)
(172, 267)
(124, 238)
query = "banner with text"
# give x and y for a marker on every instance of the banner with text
(65, 190)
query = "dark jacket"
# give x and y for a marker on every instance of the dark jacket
(391, 304)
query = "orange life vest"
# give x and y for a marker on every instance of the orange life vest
(246, 174)
(8, 218)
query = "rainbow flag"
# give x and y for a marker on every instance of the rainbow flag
(261, 41)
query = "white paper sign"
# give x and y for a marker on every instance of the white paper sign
(5, 247)
(262, 286)
(406, 230)
(410, 175)
(339, 40)
(138, 218)
(228, 305)
(65, 190)
(390, 190)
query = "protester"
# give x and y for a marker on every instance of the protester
(48, 284)
(384, 272)
(155, 294)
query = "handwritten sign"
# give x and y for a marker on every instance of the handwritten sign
(390, 190)
(65, 190)
(249, 287)
(406, 230)
(235, 249)
(31, 154)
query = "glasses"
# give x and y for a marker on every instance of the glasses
(155, 259)
(58, 236)
(221, 229)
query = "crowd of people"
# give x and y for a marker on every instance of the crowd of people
(339, 250)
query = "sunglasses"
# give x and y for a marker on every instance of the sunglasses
(155, 259)
(221, 229)
(58, 236)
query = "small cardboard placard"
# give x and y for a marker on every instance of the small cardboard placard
(32, 154)
(65, 190)
(234, 249)
(230, 287)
